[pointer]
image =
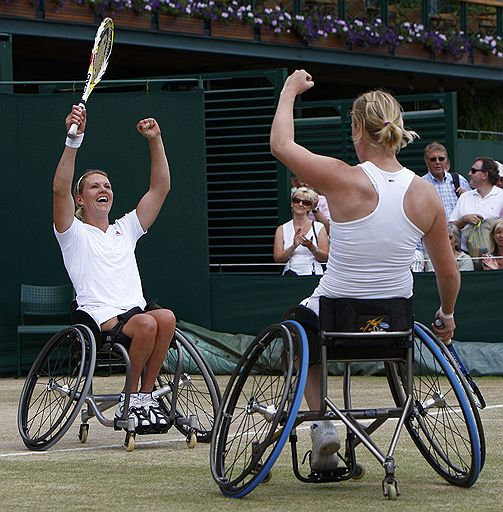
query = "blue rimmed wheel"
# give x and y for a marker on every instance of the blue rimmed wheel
(444, 424)
(259, 408)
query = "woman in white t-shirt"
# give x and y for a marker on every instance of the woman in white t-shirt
(301, 243)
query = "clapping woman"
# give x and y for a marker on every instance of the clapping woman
(302, 244)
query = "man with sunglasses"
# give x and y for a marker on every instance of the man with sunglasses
(485, 201)
(449, 185)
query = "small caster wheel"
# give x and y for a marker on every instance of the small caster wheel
(191, 440)
(267, 478)
(360, 472)
(129, 441)
(391, 493)
(83, 433)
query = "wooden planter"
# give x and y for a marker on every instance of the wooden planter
(181, 25)
(21, 8)
(70, 11)
(128, 18)
(447, 57)
(373, 49)
(331, 42)
(232, 30)
(413, 51)
(267, 35)
(482, 59)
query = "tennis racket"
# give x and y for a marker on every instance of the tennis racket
(99, 61)
(479, 399)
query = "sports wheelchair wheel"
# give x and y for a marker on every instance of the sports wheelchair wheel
(56, 387)
(444, 424)
(197, 394)
(259, 408)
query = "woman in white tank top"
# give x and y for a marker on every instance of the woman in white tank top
(379, 210)
(301, 243)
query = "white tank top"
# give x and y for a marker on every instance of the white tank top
(302, 261)
(370, 258)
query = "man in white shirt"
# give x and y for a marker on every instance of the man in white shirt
(483, 202)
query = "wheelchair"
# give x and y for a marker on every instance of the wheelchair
(260, 407)
(60, 385)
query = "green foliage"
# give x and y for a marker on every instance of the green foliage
(481, 109)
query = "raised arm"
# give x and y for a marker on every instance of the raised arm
(321, 172)
(63, 204)
(160, 182)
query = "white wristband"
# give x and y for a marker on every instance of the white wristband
(444, 315)
(75, 142)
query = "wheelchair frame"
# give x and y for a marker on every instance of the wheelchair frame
(431, 399)
(60, 385)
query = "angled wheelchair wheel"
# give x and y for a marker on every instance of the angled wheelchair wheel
(56, 387)
(421, 332)
(196, 396)
(443, 423)
(259, 408)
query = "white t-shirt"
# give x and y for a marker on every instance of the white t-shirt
(472, 202)
(102, 266)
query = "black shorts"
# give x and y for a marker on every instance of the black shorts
(114, 335)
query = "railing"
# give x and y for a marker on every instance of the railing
(480, 135)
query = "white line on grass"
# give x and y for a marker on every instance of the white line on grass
(88, 448)
(142, 443)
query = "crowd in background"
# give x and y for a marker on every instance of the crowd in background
(473, 209)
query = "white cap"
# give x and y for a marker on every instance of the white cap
(500, 168)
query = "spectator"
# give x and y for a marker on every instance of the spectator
(494, 259)
(449, 185)
(484, 202)
(320, 212)
(463, 260)
(301, 243)
(500, 175)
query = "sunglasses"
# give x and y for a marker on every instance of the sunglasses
(304, 202)
(473, 170)
(437, 158)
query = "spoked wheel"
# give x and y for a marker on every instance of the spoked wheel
(259, 408)
(196, 396)
(56, 387)
(422, 331)
(442, 424)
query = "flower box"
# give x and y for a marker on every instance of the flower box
(483, 59)
(449, 57)
(332, 42)
(129, 18)
(69, 11)
(22, 8)
(232, 30)
(373, 49)
(267, 35)
(181, 25)
(413, 51)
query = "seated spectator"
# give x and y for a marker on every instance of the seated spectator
(494, 259)
(500, 177)
(320, 211)
(418, 262)
(463, 261)
(485, 201)
(301, 243)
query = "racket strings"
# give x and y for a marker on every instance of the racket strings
(102, 54)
